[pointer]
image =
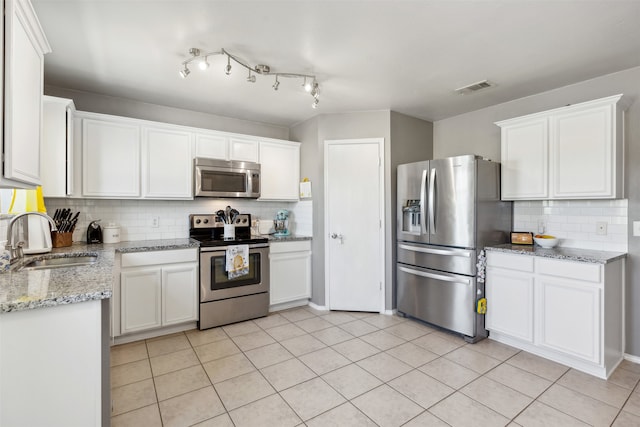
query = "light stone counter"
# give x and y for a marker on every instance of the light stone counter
(28, 289)
(570, 254)
(289, 238)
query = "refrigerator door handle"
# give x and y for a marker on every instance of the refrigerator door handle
(432, 201)
(423, 185)
(451, 252)
(435, 276)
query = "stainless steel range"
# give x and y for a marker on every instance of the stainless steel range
(225, 300)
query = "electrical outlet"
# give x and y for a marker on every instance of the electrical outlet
(541, 226)
(601, 228)
(155, 221)
(636, 228)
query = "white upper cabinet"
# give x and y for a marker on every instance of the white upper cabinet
(57, 147)
(279, 170)
(524, 156)
(212, 146)
(573, 152)
(110, 159)
(167, 163)
(24, 48)
(245, 149)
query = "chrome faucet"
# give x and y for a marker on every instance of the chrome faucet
(16, 250)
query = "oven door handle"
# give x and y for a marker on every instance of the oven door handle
(223, 248)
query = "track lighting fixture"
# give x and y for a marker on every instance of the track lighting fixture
(309, 84)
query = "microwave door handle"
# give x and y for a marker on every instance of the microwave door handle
(423, 190)
(432, 201)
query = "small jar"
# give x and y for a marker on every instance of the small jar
(111, 233)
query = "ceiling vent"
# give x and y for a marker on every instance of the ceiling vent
(474, 87)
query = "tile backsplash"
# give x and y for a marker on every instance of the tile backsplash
(575, 222)
(135, 216)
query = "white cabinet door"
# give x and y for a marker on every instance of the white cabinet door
(167, 164)
(569, 314)
(524, 160)
(243, 149)
(179, 293)
(582, 150)
(279, 170)
(24, 49)
(110, 159)
(141, 294)
(510, 303)
(212, 146)
(290, 264)
(57, 147)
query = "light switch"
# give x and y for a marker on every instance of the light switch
(636, 228)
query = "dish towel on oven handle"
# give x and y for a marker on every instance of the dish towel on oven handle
(237, 261)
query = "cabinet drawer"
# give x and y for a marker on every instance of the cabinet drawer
(510, 261)
(293, 246)
(137, 259)
(569, 269)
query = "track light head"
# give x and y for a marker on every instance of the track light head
(184, 73)
(315, 103)
(276, 84)
(251, 78)
(315, 91)
(307, 85)
(227, 69)
(204, 64)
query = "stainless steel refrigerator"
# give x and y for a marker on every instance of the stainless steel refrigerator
(448, 211)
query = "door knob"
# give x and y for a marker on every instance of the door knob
(337, 236)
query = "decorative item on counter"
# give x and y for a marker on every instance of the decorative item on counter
(94, 232)
(111, 233)
(545, 240)
(305, 189)
(281, 223)
(521, 238)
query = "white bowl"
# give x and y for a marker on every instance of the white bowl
(546, 243)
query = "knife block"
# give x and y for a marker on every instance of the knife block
(61, 240)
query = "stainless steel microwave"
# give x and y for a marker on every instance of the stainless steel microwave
(226, 178)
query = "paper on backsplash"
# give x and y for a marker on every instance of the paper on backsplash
(305, 190)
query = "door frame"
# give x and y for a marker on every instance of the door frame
(381, 211)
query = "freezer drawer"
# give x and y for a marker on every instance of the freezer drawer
(443, 299)
(460, 261)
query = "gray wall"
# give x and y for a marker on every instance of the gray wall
(475, 133)
(96, 103)
(405, 138)
(411, 141)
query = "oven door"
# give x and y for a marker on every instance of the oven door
(214, 280)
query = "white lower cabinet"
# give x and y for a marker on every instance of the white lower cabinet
(290, 265)
(157, 289)
(567, 311)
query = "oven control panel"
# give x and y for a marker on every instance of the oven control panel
(213, 221)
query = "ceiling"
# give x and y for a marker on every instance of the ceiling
(406, 56)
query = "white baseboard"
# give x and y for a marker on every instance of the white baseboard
(137, 336)
(632, 358)
(290, 304)
(318, 307)
(390, 312)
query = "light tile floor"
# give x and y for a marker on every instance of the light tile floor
(306, 367)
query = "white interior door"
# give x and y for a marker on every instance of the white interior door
(354, 240)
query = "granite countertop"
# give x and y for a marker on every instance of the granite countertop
(29, 289)
(570, 254)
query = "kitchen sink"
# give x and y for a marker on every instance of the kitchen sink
(61, 261)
